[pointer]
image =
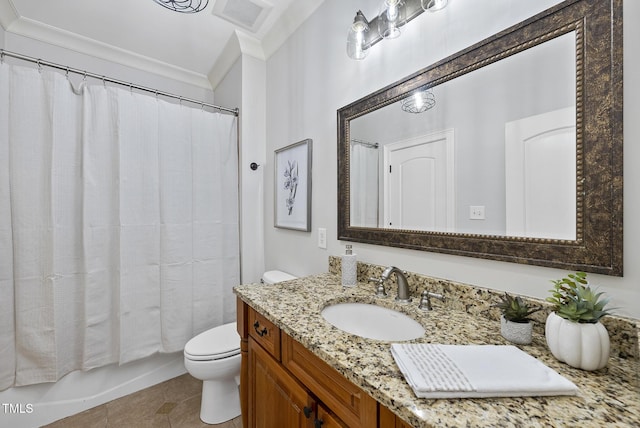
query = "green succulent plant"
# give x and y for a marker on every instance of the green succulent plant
(576, 301)
(515, 309)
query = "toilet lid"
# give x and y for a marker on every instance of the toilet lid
(275, 276)
(216, 343)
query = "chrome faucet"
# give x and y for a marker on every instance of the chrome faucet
(403, 287)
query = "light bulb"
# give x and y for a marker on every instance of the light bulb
(392, 11)
(433, 5)
(418, 99)
(392, 16)
(356, 39)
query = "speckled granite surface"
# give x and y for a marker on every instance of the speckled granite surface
(608, 397)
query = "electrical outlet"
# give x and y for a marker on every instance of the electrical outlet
(476, 212)
(322, 238)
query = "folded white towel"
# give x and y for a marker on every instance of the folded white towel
(459, 371)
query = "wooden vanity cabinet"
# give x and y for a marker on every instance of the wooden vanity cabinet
(276, 399)
(284, 385)
(355, 407)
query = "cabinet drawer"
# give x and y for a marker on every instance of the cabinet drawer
(348, 402)
(265, 333)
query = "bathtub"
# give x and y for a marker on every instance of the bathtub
(37, 405)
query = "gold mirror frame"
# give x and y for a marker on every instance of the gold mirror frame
(599, 143)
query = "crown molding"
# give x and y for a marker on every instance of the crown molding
(47, 34)
(240, 43)
(8, 14)
(227, 58)
(249, 45)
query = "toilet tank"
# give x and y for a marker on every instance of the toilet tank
(273, 276)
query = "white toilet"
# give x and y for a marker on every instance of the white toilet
(213, 356)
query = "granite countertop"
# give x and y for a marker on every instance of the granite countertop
(610, 396)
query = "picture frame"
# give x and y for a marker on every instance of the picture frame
(292, 186)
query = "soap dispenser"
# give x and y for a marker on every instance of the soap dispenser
(349, 268)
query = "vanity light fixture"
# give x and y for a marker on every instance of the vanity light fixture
(184, 6)
(393, 15)
(419, 102)
(357, 47)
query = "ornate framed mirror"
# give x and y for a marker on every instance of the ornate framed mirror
(509, 150)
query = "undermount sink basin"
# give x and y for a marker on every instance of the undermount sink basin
(372, 321)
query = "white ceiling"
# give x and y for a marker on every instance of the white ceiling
(145, 35)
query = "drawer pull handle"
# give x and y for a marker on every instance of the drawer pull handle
(262, 332)
(307, 411)
(319, 423)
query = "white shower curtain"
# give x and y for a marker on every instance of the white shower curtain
(364, 185)
(118, 225)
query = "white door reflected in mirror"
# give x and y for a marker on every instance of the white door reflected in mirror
(419, 183)
(540, 166)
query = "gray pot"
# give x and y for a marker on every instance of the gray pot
(516, 332)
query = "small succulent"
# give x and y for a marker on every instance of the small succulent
(575, 301)
(515, 309)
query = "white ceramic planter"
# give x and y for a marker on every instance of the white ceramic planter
(516, 332)
(584, 346)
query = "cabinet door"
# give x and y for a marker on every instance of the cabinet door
(347, 401)
(324, 419)
(276, 400)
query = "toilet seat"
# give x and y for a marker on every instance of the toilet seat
(214, 344)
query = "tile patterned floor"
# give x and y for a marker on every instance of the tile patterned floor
(171, 404)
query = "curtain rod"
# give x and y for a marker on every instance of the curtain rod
(3, 53)
(365, 143)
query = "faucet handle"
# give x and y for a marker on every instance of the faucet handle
(380, 291)
(425, 300)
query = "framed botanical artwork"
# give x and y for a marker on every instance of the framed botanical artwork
(292, 195)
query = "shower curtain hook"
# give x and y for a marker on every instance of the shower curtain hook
(84, 76)
(103, 82)
(67, 73)
(39, 66)
(1, 56)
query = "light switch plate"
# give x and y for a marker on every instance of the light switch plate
(322, 238)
